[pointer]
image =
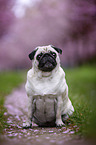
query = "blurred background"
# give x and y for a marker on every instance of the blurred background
(67, 24)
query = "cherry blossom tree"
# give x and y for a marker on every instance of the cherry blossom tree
(6, 16)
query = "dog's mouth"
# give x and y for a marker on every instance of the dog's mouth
(47, 61)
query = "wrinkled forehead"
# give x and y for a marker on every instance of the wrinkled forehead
(45, 49)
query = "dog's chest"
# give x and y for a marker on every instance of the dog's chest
(45, 87)
(44, 108)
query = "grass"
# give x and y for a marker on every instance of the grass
(82, 92)
(8, 81)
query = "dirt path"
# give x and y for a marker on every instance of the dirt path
(16, 104)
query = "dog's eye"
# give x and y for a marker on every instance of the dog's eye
(53, 53)
(39, 55)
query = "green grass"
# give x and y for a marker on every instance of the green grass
(82, 92)
(8, 81)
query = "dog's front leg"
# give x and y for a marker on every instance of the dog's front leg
(28, 123)
(59, 122)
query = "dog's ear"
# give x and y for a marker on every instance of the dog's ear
(57, 49)
(32, 54)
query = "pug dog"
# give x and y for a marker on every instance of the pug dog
(47, 90)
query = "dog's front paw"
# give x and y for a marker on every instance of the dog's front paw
(27, 125)
(59, 123)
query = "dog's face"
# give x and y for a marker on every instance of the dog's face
(45, 58)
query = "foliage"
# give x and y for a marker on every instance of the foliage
(82, 92)
(8, 81)
(67, 24)
(6, 16)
